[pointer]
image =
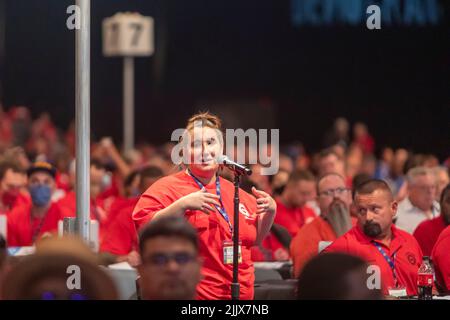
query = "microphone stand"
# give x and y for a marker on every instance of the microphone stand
(235, 287)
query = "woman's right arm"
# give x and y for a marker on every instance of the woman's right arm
(199, 200)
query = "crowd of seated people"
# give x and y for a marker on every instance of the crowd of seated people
(316, 192)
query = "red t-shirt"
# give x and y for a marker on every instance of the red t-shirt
(441, 258)
(120, 237)
(293, 218)
(68, 208)
(116, 206)
(269, 249)
(408, 256)
(428, 232)
(21, 200)
(22, 227)
(212, 229)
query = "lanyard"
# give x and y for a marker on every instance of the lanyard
(390, 261)
(35, 232)
(221, 209)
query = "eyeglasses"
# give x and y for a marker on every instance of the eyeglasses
(425, 188)
(333, 192)
(162, 259)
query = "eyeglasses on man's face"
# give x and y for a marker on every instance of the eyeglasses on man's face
(333, 192)
(163, 259)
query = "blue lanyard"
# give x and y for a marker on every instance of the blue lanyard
(221, 209)
(390, 261)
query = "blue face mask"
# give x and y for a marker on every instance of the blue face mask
(40, 195)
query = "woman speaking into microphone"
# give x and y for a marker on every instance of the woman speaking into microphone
(206, 201)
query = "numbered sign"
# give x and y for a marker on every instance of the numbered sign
(128, 34)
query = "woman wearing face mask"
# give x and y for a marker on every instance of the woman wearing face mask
(206, 201)
(28, 222)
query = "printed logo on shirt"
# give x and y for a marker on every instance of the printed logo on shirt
(244, 212)
(411, 258)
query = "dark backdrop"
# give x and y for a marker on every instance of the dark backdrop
(395, 79)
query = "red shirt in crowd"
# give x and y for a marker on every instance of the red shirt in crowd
(120, 237)
(441, 258)
(22, 199)
(270, 249)
(22, 227)
(212, 230)
(293, 218)
(428, 232)
(116, 206)
(68, 208)
(404, 251)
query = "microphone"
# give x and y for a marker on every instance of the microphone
(234, 166)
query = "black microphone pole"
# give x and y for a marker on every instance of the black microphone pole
(235, 287)
(238, 170)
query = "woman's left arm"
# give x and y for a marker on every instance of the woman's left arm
(266, 211)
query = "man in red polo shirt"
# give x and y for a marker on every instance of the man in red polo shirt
(428, 231)
(441, 260)
(27, 222)
(291, 210)
(376, 239)
(120, 237)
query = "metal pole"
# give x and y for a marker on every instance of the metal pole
(235, 286)
(2, 48)
(128, 103)
(82, 114)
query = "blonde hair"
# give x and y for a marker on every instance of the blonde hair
(206, 119)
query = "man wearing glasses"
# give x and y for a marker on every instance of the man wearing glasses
(375, 239)
(420, 205)
(334, 200)
(170, 268)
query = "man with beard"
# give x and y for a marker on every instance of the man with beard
(170, 268)
(428, 231)
(376, 239)
(334, 201)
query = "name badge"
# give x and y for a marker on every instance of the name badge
(397, 292)
(228, 252)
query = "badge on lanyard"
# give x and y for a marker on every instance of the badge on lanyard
(397, 292)
(228, 252)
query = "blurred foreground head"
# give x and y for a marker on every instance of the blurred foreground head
(336, 276)
(61, 269)
(171, 266)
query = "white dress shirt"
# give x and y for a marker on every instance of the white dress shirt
(409, 217)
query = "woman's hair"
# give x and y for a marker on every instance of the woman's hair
(201, 120)
(205, 119)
